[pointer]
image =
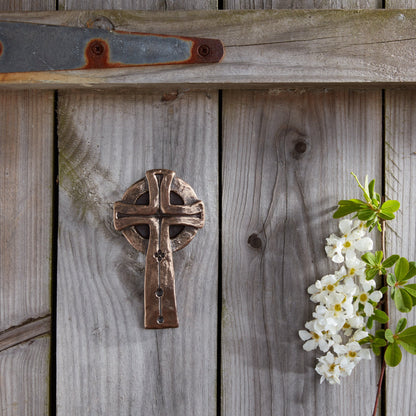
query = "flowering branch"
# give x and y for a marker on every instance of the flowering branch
(348, 301)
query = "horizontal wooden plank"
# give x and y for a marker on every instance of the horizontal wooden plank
(264, 48)
(25, 332)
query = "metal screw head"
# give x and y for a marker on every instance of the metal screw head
(97, 48)
(204, 50)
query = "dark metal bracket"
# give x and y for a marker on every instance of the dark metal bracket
(29, 47)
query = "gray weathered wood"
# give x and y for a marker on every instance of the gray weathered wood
(400, 237)
(26, 332)
(24, 370)
(287, 211)
(400, 234)
(263, 49)
(302, 4)
(26, 149)
(107, 363)
(137, 4)
(277, 205)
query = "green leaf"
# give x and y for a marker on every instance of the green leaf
(402, 300)
(386, 215)
(401, 324)
(357, 202)
(408, 347)
(370, 322)
(393, 355)
(380, 333)
(408, 335)
(371, 188)
(381, 316)
(342, 211)
(378, 342)
(401, 269)
(369, 258)
(390, 206)
(390, 261)
(371, 273)
(389, 335)
(379, 257)
(383, 289)
(366, 214)
(376, 350)
(410, 290)
(391, 280)
(412, 270)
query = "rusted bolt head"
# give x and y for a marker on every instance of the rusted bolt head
(97, 48)
(204, 50)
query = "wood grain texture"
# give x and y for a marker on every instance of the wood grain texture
(264, 48)
(25, 332)
(26, 5)
(26, 148)
(302, 4)
(286, 162)
(24, 369)
(107, 361)
(400, 233)
(400, 237)
(137, 4)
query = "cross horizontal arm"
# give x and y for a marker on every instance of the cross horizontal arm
(185, 220)
(126, 215)
(194, 209)
(263, 49)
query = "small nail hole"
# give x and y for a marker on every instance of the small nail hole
(160, 320)
(159, 292)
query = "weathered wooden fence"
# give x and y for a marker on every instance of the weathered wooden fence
(270, 164)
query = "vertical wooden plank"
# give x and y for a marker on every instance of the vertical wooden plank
(286, 162)
(399, 171)
(26, 165)
(400, 174)
(107, 363)
(400, 233)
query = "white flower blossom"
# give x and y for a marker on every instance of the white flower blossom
(351, 240)
(328, 368)
(365, 299)
(344, 301)
(315, 337)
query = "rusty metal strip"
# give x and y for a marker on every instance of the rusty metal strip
(28, 47)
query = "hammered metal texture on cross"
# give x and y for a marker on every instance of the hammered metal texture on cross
(158, 215)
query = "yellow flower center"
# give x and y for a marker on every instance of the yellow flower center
(330, 288)
(346, 325)
(363, 297)
(332, 367)
(352, 354)
(352, 271)
(347, 244)
(338, 307)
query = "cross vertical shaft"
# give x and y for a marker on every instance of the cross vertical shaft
(159, 215)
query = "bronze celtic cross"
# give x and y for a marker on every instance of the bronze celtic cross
(158, 215)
